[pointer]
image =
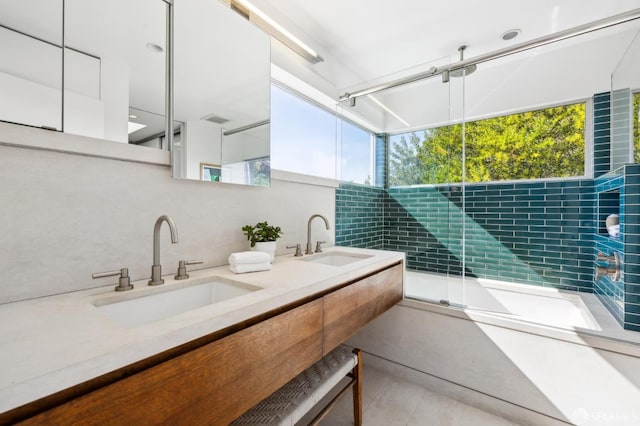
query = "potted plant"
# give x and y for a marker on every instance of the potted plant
(263, 237)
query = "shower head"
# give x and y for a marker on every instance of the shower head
(463, 71)
(467, 70)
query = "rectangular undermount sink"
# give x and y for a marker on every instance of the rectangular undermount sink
(336, 258)
(167, 302)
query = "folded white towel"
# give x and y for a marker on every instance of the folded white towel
(246, 257)
(250, 267)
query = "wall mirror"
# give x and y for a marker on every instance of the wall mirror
(115, 74)
(222, 92)
(31, 62)
(108, 82)
(625, 107)
(109, 79)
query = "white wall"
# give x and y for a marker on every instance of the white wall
(202, 144)
(246, 145)
(83, 115)
(82, 73)
(569, 382)
(114, 92)
(30, 103)
(66, 216)
(96, 103)
(30, 59)
(96, 98)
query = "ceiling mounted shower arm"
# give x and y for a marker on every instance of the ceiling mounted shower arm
(461, 49)
(528, 45)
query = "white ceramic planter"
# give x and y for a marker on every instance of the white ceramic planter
(268, 247)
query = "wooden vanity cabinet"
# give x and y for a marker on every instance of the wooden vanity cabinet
(213, 384)
(347, 310)
(217, 382)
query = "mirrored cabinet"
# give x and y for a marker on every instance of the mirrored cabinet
(222, 90)
(100, 69)
(31, 56)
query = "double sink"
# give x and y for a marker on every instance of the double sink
(160, 303)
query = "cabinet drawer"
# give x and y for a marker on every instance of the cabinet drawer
(213, 384)
(347, 310)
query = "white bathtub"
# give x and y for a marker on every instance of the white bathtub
(533, 304)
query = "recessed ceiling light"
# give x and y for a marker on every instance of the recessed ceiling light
(133, 116)
(510, 35)
(154, 47)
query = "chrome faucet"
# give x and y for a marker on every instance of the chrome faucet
(326, 223)
(156, 269)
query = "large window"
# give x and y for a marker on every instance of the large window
(309, 139)
(546, 143)
(303, 136)
(356, 154)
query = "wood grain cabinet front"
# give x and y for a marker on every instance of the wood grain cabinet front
(347, 310)
(215, 383)
(211, 385)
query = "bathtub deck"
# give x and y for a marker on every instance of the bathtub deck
(580, 312)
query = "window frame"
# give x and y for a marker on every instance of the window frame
(337, 134)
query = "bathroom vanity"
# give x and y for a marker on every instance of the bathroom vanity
(208, 364)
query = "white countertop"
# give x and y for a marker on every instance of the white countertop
(56, 342)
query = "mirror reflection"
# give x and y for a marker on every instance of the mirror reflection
(222, 94)
(115, 74)
(245, 155)
(31, 62)
(625, 107)
(109, 81)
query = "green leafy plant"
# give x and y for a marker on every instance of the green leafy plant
(261, 233)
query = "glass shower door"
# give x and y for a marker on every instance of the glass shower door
(453, 188)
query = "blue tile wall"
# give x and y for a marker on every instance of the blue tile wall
(601, 133)
(380, 165)
(630, 231)
(527, 232)
(622, 297)
(543, 233)
(419, 222)
(359, 216)
(609, 190)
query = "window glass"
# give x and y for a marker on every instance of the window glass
(355, 154)
(303, 136)
(546, 143)
(308, 139)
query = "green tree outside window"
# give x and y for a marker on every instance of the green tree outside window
(531, 145)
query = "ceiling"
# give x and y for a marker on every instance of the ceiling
(363, 40)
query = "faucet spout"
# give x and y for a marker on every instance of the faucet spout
(156, 268)
(326, 223)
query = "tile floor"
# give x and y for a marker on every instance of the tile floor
(388, 401)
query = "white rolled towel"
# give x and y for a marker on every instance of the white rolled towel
(250, 267)
(248, 257)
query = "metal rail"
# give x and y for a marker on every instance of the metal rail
(531, 44)
(247, 127)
